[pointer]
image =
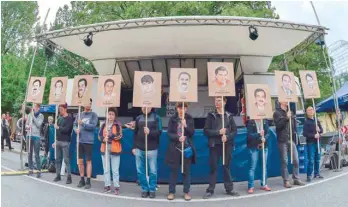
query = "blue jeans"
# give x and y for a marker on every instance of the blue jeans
(115, 165)
(147, 185)
(313, 159)
(255, 155)
(34, 146)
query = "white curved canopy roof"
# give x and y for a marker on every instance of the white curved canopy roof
(148, 44)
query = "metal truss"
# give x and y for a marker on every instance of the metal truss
(51, 46)
(182, 21)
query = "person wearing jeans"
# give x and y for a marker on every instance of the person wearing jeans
(312, 135)
(282, 117)
(256, 135)
(63, 129)
(173, 154)
(33, 126)
(111, 133)
(153, 132)
(147, 187)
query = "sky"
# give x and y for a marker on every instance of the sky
(331, 14)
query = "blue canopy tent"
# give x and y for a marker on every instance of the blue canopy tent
(328, 105)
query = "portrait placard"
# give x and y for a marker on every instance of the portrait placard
(221, 79)
(286, 86)
(36, 89)
(82, 90)
(58, 90)
(109, 91)
(183, 85)
(309, 84)
(147, 89)
(259, 105)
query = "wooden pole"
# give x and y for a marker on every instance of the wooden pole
(106, 143)
(55, 133)
(182, 143)
(146, 168)
(30, 130)
(78, 136)
(263, 156)
(290, 133)
(316, 124)
(223, 126)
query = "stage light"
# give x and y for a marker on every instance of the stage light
(88, 40)
(253, 35)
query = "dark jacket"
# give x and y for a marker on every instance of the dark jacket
(5, 131)
(173, 154)
(213, 124)
(46, 131)
(253, 137)
(281, 122)
(309, 130)
(65, 128)
(154, 123)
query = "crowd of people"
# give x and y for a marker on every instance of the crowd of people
(219, 128)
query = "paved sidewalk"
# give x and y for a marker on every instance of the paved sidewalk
(132, 190)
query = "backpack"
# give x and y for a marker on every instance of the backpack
(44, 163)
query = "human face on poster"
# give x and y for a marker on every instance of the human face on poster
(58, 90)
(82, 90)
(221, 79)
(183, 85)
(36, 89)
(286, 86)
(184, 82)
(147, 89)
(109, 90)
(310, 84)
(258, 101)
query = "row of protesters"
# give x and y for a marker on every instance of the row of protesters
(110, 135)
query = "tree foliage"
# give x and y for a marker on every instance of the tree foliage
(17, 22)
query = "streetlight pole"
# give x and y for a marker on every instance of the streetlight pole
(332, 79)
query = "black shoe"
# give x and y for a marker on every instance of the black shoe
(38, 175)
(58, 178)
(68, 180)
(81, 183)
(145, 194)
(208, 195)
(318, 176)
(232, 193)
(309, 179)
(152, 195)
(88, 185)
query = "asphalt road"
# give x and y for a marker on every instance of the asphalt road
(19, 191)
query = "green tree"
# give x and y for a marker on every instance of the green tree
(311, 59)
(17, 22)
